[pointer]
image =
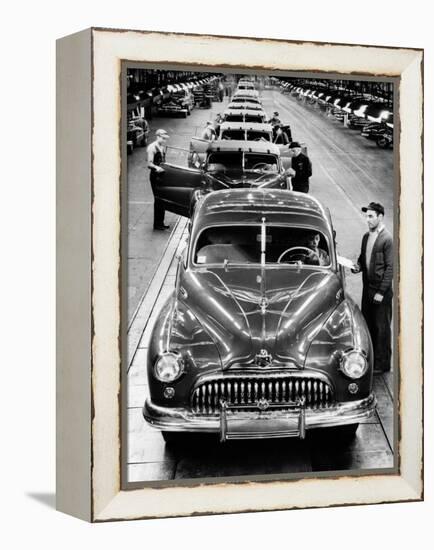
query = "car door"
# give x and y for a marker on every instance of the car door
(198, 149)
(175, 187)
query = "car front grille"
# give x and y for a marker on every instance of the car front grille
(249, 390)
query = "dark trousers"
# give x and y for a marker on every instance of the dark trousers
(159, 209)
(301, 187)
(379, 319)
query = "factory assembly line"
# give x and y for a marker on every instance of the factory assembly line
(247, 351)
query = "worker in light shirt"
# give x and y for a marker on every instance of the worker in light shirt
(157, 156)
(376, 265)
(209, 132)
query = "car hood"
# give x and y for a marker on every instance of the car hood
(243, 316)
(239, 179)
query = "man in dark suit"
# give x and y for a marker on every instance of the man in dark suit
(301, 169)
(376, 264)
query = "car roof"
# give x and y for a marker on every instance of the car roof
(244, 106)
(243, 145)
(246, 97)
(247, 205)
(246, 126)
(246, 92)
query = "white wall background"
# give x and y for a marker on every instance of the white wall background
(27, 169)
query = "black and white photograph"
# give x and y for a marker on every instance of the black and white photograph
(259, 222)
(217, 275)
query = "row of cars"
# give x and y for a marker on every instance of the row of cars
(175, 100)
(259, 338)
(183, 101)
(373, 118)
(242, 155)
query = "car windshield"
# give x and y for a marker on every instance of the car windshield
(238, 161)
(234, 118)
(257, 135)
(253, 118)
(233, 134)
(245, 100)
(242, 244)
(243, 105)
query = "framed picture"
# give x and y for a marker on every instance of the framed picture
(239, 274)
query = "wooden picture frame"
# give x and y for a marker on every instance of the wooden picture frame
(89, 274)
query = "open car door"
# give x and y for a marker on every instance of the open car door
(198, 149)
(175, 187)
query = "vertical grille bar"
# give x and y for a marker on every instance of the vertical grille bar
(277, 391)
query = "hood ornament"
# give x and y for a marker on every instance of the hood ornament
(263, 303)
(263, 404)
(263, 358)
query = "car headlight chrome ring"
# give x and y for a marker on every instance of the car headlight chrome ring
(168, 367)
(354, 364)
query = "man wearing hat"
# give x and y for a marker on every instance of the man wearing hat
(301, 169)
(376, 264)
(280, 137)
(156, 156)
(275, 119)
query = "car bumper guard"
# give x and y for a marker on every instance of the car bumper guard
(260, 421)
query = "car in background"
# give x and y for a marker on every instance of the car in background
(356, 123)
(246, 99)
(172, 107)
(247, 131)
(185, 98)
(373, 130)
(259, 338)
(245, 85)
(244, 115)
(245, 104)
(221, 164)
(136, 136)
(385, 140)
(252, 93)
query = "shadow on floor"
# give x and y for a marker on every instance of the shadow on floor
(48, 499)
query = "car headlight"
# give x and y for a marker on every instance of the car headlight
(168, 367)
(354, 364)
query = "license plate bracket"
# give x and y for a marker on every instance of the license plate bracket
(258, 427)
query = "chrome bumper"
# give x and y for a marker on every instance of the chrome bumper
(258, 424)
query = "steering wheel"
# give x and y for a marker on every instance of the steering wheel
(259, 164)
(304, 252)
